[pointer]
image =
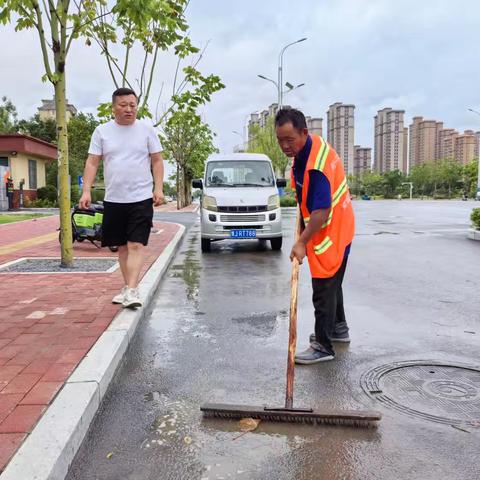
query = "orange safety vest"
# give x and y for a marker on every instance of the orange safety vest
(326, 248)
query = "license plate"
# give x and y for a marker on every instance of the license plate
(243, 233)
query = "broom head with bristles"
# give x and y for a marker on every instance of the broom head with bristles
(354, 418)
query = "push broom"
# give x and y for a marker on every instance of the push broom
(354, 418)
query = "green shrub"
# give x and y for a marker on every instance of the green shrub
(41, 203)
(48, 192)
(475, 218)
(287, 201)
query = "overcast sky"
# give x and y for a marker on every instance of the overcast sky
(420, 56)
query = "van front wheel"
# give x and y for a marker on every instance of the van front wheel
(206, 244)
(276, 243)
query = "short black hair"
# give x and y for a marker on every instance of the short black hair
(291, 115)
(122, 92)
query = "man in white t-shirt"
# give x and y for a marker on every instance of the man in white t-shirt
(130, 150)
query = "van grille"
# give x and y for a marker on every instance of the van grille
(240, 209)
(242, 218)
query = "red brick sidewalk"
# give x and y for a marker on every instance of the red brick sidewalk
(48, 322)
(171, 207)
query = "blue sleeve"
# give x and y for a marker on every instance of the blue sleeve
(319, 194)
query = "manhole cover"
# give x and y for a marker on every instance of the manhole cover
(435, 391)
(52, 265)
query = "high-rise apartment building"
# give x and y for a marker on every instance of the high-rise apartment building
(390, 147)
(340, 132)
(362, 160)
(424, 141)
(477, 145)
(314, 124)
(446, 143)
(465, 146)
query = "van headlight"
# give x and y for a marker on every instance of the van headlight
(273, 202)
(209, 203)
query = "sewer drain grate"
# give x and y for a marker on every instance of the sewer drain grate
(52, 265)
(435, 391)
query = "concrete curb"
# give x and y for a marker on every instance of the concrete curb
(474, 234)
(52, 445)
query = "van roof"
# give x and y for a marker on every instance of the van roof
(238, 156)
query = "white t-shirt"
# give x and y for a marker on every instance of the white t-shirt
(126, 153)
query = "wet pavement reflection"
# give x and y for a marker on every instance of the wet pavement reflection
(218, 332)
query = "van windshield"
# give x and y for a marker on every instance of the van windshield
(241, 173)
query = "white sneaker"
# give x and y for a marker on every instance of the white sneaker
(132, 299)
(120, 297)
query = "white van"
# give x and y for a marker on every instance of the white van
(240, 199)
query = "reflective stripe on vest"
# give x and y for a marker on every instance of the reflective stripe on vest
(323, 247)
(340, 191)
(322, 157)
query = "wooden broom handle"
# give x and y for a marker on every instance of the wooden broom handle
(292, 338)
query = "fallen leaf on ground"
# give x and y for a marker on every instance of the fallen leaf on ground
(248, 424)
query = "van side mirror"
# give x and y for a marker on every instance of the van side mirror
(281, 183)
(197, 183)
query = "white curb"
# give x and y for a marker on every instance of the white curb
(51, 447)
(474, 234)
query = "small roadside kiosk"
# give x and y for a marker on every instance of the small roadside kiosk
(23, 162)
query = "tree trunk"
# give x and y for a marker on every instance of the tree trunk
(187, 190)
(178, 185)
(63, 174)
(181, 188)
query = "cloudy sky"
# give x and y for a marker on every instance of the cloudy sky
(420, 56)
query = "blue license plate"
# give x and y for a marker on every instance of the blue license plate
(243, 233)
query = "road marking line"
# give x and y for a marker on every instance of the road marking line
(13, 247)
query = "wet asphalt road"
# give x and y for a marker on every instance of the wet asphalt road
(218, 332)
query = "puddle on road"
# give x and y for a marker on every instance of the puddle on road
(189, 272)
(213, 448)
(261, 324)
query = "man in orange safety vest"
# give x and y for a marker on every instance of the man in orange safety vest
(328, 226)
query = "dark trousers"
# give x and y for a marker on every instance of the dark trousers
(328, 303)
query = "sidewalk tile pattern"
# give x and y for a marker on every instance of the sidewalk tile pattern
(49, 322)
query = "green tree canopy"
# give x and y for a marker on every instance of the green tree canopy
(264, 140)
(187, 142)
(43, 129)
(8, 116)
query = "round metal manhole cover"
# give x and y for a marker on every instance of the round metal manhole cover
(431, 390)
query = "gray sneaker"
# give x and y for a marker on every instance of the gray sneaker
(313, 355)
(336, 337)
(132, 299)
(120, 297)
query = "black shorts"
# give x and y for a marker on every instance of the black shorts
(126, 222)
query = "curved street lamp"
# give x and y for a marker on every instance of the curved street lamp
(279, 83)
(280, 70)
(289, 86)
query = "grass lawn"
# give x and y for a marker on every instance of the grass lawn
(8, 218)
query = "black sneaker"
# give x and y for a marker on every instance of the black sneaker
(336, 337)
(312, 355)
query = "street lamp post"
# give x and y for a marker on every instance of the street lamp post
(289, 86)
(478, 179)
(279, 83)
(280, 70)
(242, 137)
